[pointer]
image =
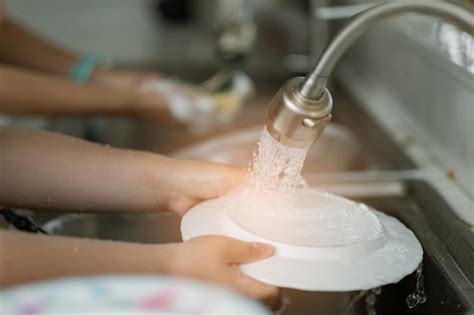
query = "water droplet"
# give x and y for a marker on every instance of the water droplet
(422, 297)
(419, 296)
(370, 299)
(412, 301)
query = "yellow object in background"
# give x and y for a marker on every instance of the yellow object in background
(214, 102)
(230, 90)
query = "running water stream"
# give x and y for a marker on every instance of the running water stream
(275, 169)
(275, 173)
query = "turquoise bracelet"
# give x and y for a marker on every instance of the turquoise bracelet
(84, 67)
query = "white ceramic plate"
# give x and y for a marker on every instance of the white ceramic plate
(385, 255)
(125, 294)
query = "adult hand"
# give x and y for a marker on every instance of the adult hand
(216, 259)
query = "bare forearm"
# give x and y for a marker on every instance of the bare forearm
(22, 47)
(24, 92)
(44, 170)
(30, 257)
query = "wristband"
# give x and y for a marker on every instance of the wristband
(84, 67)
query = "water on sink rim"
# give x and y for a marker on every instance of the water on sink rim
(370, 296)
(370, 299)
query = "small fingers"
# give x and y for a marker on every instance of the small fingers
(245, 252)
(255, 288)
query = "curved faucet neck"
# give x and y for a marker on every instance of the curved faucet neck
(315, 82)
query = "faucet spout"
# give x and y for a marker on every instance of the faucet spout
(315, 82)
(298, 113)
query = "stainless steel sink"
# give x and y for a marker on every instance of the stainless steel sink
(139, 228)
(375, 151)
(448, 253)
(448, 244)
(337, 150)
(448, 270)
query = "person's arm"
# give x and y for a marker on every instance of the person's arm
(26, 92)
(27, 257)
(44, 170)
(31, 257)
(22, 47)
(43, 85)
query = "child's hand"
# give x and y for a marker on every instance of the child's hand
(216, 259)
(142, 103)
(190, 182)
(120, 79)
(185, 103)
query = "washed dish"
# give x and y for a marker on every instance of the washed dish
(125, 295)
(323, 242)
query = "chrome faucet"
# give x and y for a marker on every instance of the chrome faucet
(299, 112)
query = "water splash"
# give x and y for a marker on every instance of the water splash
(274, 209)
(275, 167)
(419, 296)
(284, 303)
(370, 296)
(354, 299)
(370, 299)
(275, 172)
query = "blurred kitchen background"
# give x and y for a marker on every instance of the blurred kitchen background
(417, 66)
(403, 113)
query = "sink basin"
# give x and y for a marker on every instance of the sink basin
(337, 149)
(138, 228)
(447, 243)
(366, 145)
